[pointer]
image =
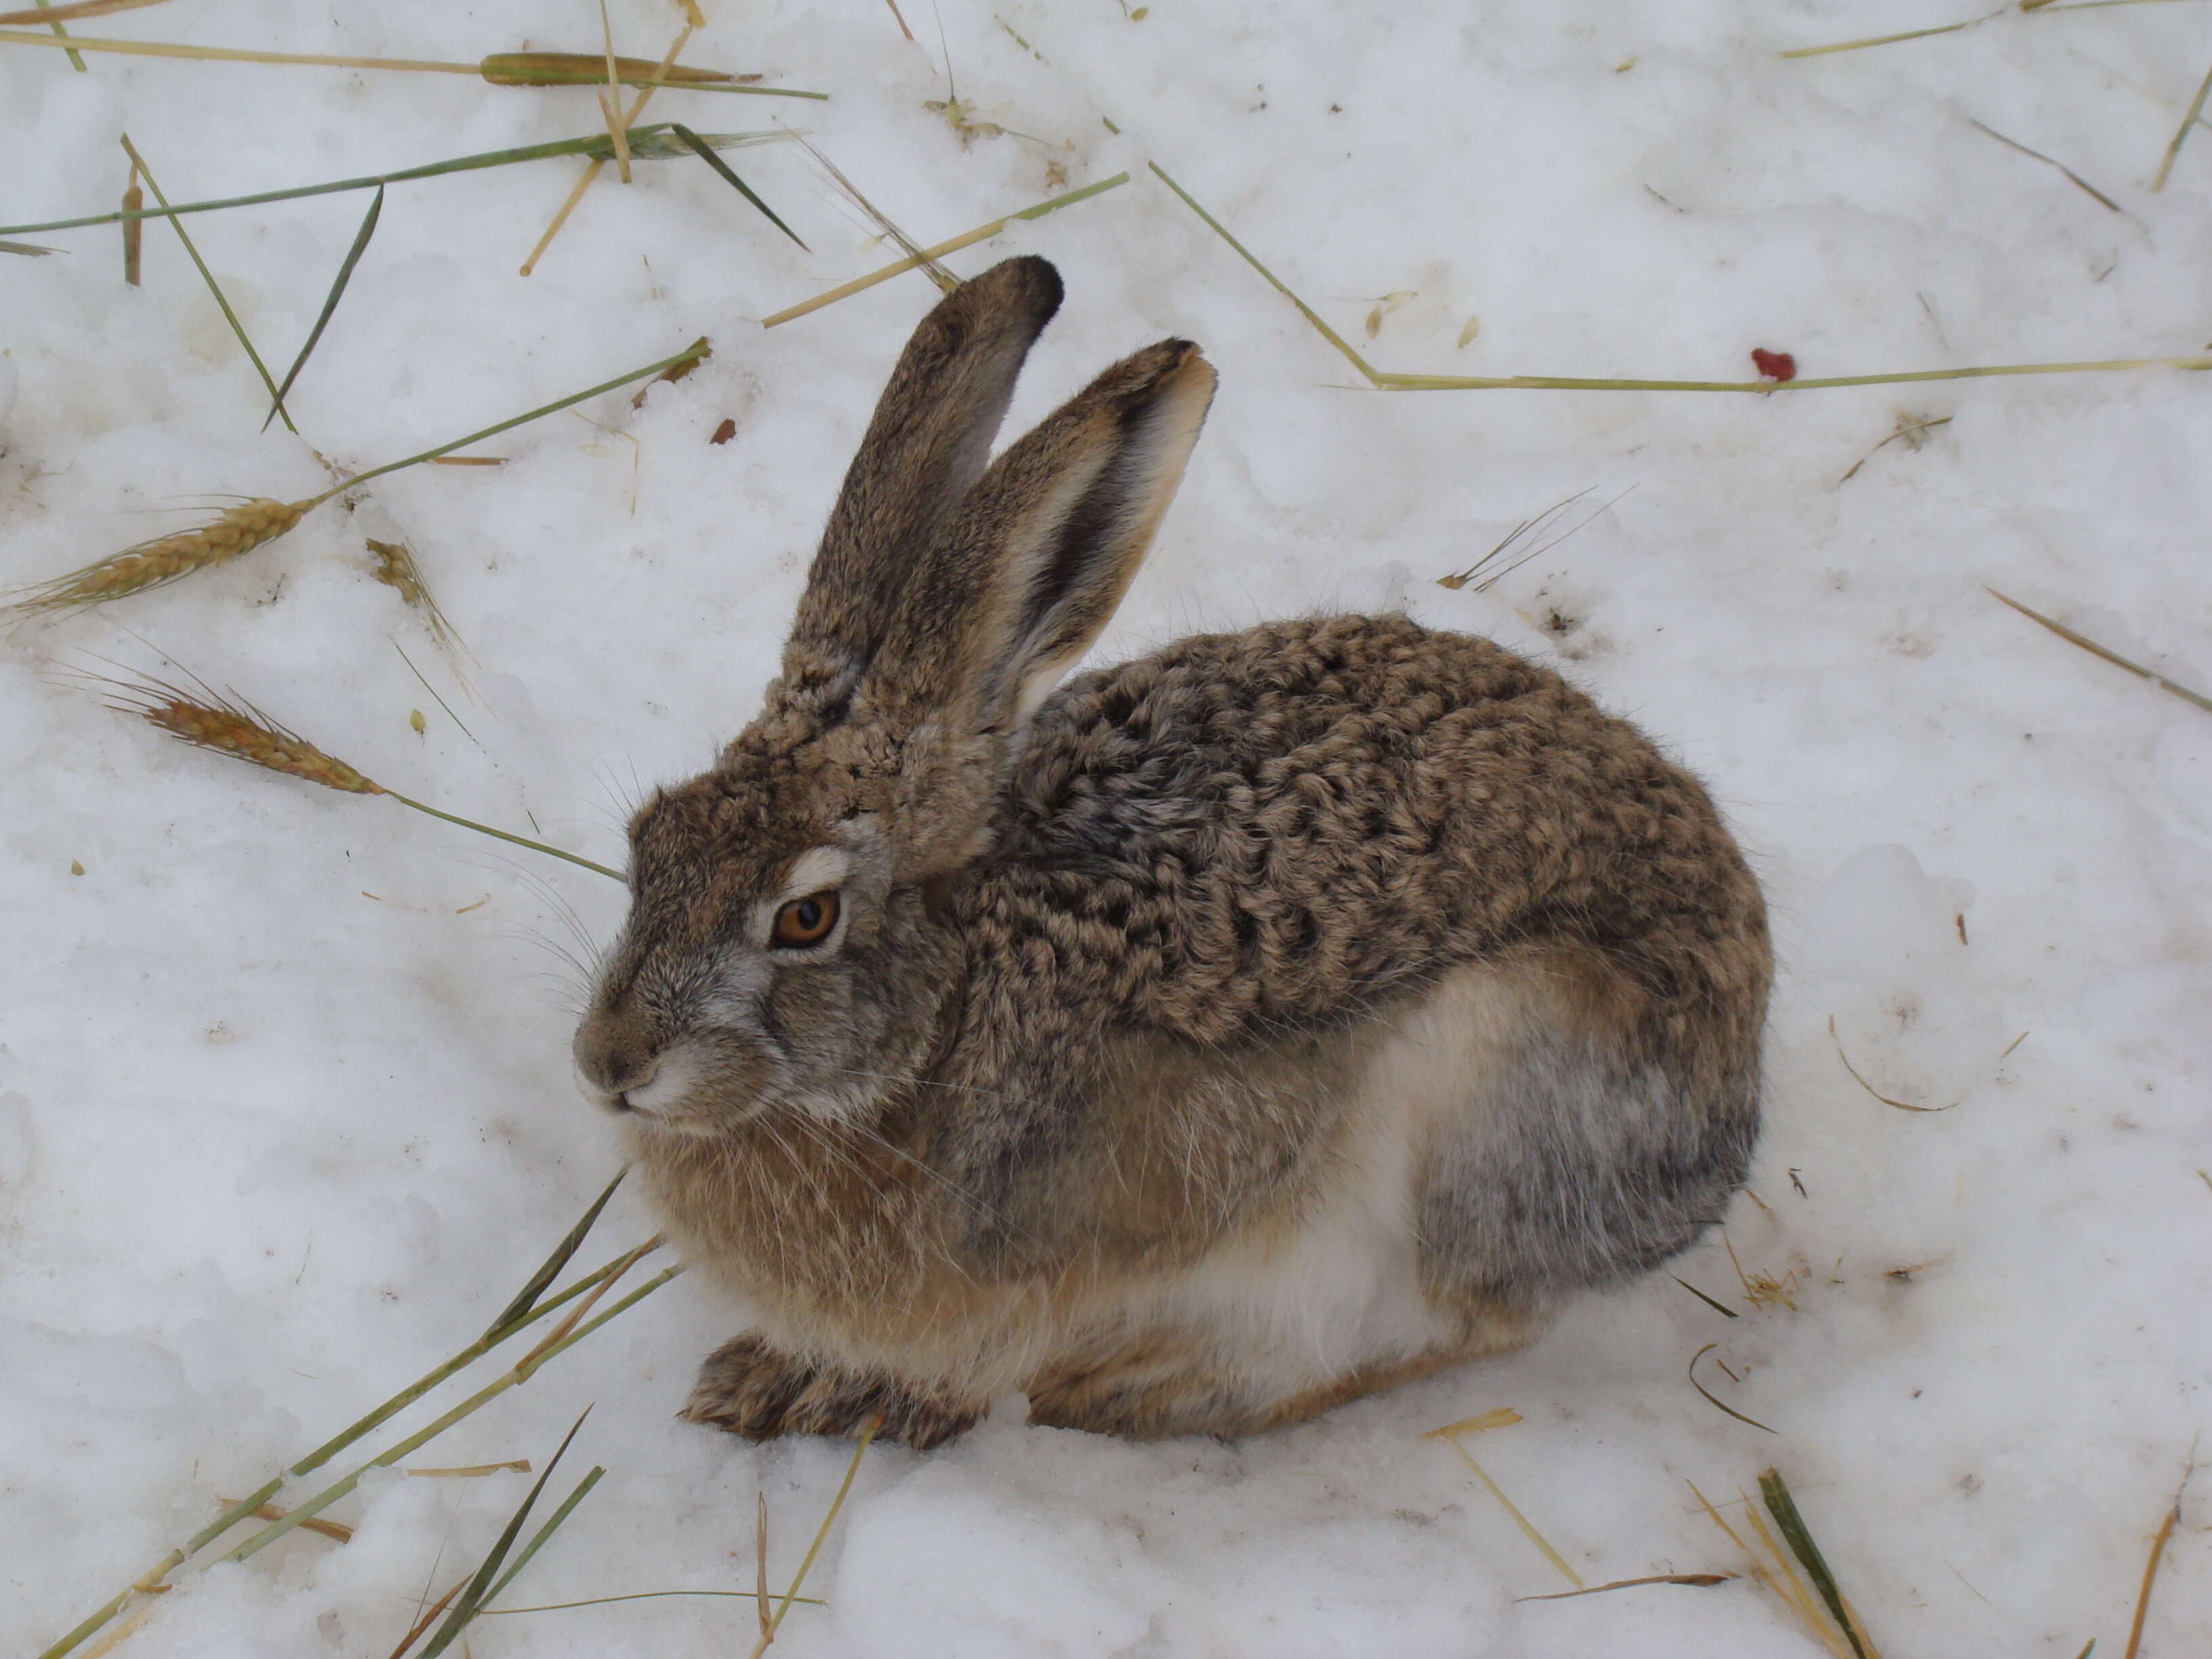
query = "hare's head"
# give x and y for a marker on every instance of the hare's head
(780, 949)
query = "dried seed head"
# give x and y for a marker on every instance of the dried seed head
(239, 730)
(163, 560)
(395, 568)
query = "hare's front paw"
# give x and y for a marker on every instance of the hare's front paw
(748, 1387)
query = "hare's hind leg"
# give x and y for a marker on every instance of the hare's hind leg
(749, 1387)
(1590, 1138)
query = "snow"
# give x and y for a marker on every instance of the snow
(286, 1113)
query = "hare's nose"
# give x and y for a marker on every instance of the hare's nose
(613, 1059)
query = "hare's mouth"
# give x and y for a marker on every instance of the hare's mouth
(673, 1074)
(698, 1085)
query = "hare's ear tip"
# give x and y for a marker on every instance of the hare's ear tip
(1028, 278)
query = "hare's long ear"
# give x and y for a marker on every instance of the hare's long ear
(926, 445)
(1030, 566)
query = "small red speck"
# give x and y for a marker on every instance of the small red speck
(1774, 365)
(728, 429)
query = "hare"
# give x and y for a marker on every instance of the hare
(1215, 1038)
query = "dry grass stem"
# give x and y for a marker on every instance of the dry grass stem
(1501, 1418)
(2181, 132)
(238, 329)
(760, 1562)
(829, 1519)
(2150, 1571)
(122, 1633)
(165, 559)
(414, 1443)
(55, 13)
(429, 1617)
(470, 1472)
(1714, 1401)
(981, 233)
(1864, 41)
(1776, 1571)
(76, 59)
(1485, 573)
(1901, 1105)
(2198, 698)
(2013, 143)
(1783, 1507)
(331, 1529)
(1912, 429)
(559, 1334)
(1718, 1307)
(134, 234)
(593, 168)
(512, 68)
(525, 1310)
(1759, 1289)
(1386, 380)
(1699, 1580)
(946, 281)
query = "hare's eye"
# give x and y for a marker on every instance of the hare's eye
(806, 921)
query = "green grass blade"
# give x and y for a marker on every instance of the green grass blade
(505, 836)
(643, 1596)
(698, 348)
(483, 1397)
(706, 153)
(473, 1596)
(651, 143)
(538, 1540)
(329, 1449)
(1783, 1508)
(331, 304)
(550, 1269)
(75, 58)
(214, 287)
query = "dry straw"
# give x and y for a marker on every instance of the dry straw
(505, 69)
(1502, 1417)
(1827, 1615)
(2196, 699)
(1385, 380)
(2029, 6)
(924, 256)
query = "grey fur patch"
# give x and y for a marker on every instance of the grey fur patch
(1574, 1170)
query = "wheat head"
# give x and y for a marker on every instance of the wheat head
(163, 560)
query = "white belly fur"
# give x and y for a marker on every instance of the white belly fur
(1302, 1306)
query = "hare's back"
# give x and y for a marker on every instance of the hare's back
(1289, 823)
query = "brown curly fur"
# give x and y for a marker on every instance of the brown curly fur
(1333, 926)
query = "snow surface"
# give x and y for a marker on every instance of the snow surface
(285, 1105)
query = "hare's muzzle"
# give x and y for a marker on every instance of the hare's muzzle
(615, 1057)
